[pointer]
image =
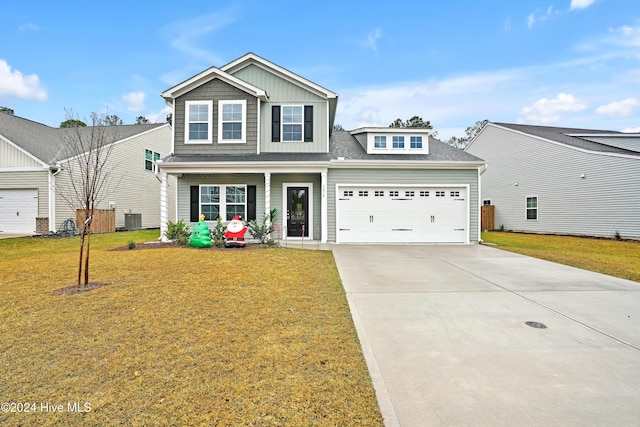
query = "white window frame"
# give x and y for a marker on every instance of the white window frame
(187, 122)
(282, 124)
(397, 140)
(527, 208)
(221, 122)
(383, 142)
(415, 142)
(222, 200)
(154, 157)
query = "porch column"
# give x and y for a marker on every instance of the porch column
(267, 194)
(164, 207)
(323, 207)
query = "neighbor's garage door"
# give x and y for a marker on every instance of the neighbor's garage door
(18, 211)
(402, 214)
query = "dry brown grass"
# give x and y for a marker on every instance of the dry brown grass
(607, 256)
(180, 336)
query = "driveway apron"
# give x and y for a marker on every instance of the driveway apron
(445, 336)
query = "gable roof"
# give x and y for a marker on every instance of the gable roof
(208, 75)
(572, 137)
(46, 143)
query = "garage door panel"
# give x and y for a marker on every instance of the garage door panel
(18, 210)
(402, 214)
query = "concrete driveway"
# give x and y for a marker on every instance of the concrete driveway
(443, 332)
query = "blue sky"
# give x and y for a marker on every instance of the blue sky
(573, 63)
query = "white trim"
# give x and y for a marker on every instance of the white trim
(221, 104)
(259, 133)
(282, 123)
(310, 231)
(526, 208)
(209, 139)
(324, 203)
(467, 187)
(208, 75)
(222, 200)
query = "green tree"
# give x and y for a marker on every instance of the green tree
(6, 110)
(337, 127)
(169, 117)
(141, 120)
(112, 120)
(413, 122)
(72, 123)
(470, 133)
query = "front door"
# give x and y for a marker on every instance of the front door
(298, 211)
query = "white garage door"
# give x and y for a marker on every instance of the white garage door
(402, 214)
(18, 211)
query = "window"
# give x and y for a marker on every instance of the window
(532, 207)
(213, 206)
(379, 141)
(348, 193)
(231, 121)
(394, 193)
(149, 159)
(292, 123)
(198, 122)
(424, 194)
(415, 142)
(235, 201)
(363, 193)
(454, 194)
(409, 193)
(440, 193)
(379, 193)
(398, 142)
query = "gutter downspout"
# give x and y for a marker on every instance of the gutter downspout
(53, 171)
(481, 170)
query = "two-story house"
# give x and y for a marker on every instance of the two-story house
(252, 136)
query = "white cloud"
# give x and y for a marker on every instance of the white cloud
(537, 15)
(159, 117)
(134, 100)
(372, 39)
(531, 19)
(581, 4)
(15, 84)
(550, 110)
(29, 26)
(619, 108)
(631, 130)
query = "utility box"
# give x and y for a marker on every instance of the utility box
(132, 221)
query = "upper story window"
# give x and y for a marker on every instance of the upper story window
(379, 141)
(292, 123)
(198, 122)
(415, 142)
(398, 142)
(232, 121)
(150, 158)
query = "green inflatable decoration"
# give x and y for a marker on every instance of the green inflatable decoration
(200, 237)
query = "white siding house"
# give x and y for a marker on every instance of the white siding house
(33, 180)
(561, 180)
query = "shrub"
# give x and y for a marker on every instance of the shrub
(217, 234)
(131, 244)
(263, 232)
(178, 232)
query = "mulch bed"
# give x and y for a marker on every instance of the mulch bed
(161, 245)
(75, 289)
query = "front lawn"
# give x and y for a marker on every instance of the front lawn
(613, 257)
(179, 336)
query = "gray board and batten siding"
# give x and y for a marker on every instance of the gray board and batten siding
(283, 92)
(580, 191)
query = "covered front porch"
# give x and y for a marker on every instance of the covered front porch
(298, 195)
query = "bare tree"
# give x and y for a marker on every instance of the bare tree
(87, 151)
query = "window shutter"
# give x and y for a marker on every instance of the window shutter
(308, 123)
(251, 202)
(195, 203)
(275, 123)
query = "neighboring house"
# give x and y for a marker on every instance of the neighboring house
(33, 178)
(560, 180)
(252, 136)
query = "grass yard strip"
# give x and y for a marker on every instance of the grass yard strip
(179, 336)
(620, 258)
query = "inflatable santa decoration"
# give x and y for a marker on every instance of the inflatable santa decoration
(234, 236)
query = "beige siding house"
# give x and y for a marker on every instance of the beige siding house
(34, 182)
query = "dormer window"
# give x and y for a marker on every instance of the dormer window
(198, 124)
(415, 142)
(398, 142)
(379, 141)
(231, 121)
